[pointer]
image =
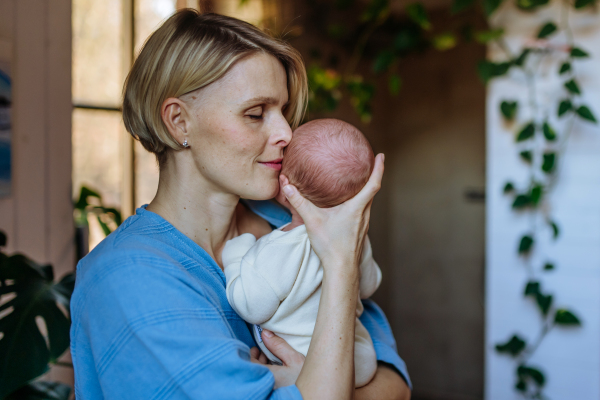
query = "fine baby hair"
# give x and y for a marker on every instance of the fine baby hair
(329, 161)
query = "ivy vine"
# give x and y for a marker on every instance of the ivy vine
(369, 31)
(541, 147)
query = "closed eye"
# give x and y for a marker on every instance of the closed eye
(255, 113)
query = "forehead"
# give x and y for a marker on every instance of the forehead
(256, 76)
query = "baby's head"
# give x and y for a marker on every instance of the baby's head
(329, 161)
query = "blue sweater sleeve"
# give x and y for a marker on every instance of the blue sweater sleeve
(141, 331)
(379, 328)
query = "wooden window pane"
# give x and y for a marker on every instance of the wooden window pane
(97, 52)
(98, 158)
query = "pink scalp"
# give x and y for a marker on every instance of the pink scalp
(329, 161)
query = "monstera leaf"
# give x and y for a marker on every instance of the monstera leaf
(32, 292)
(42, 391)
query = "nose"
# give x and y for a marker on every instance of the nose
(281, 132)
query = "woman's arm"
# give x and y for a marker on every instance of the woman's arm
(386, 385)
(337, 236)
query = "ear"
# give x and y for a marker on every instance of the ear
(175, 117)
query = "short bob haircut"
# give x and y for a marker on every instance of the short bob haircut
(188, 52)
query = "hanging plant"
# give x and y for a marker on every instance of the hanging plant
(541, 147)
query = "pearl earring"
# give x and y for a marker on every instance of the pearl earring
(185, 143)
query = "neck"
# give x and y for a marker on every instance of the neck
(196, 207)
(296, 220)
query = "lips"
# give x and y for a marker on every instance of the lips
(274, 164)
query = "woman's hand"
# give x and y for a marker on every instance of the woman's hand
(336, 234)
(293, 361)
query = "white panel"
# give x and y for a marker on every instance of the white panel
(570, 357)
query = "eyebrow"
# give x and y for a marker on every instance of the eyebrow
(262, 100)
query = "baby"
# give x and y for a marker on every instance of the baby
(275, 282)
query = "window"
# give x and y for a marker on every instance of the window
(106, 36)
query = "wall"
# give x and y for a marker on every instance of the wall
(427, 236)
(38, 217)
(569, 357)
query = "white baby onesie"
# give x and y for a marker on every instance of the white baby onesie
(275, 282)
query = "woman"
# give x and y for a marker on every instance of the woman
(213, 98)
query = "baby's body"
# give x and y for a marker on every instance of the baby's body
(275, 282)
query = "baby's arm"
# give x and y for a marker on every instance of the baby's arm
(370, 274)
(259, 276)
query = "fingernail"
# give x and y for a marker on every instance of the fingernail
(287, 189)
(267, 333)
(382, 157)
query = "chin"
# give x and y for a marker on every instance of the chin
(264, 191)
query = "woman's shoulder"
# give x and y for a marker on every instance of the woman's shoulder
(145, 256)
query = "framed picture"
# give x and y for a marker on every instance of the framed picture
(5, 119)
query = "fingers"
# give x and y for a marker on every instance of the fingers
(374, 183)
(296, 200)
(254, 352)
(281, 349)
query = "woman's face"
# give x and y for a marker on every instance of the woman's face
(237, 131)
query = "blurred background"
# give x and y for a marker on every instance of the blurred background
(446, 89)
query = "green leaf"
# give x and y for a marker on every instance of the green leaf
(548, 29)
(565, 67)
(25, 354)
(383, 61)
(394, 84)
(527, 156)
(513, 346)
(531, 5)
(535, 374)
(536, 194)
(583, 3)
(555, 230)
(42, 391)
(445, 41)
(566, 317)
(103, 225)
(519, 61)
(544, 302)
(521, 201)
(2, 239)
(548, 267)
(532, 288)
(572, 86)
(521, 386)
(509, 187)
(489, 70)
(549, 132)
(549, 162)
(576, 52)
(564, 106)
(525, 244)
(377, 10)
(585, 113)
(417, 12)
(336, 31)
(461, 5)
(509, 109)
(84, 194)
(526, 132)
(485, 37)
(489, 6)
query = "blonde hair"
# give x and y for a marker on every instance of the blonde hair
(188, 52)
